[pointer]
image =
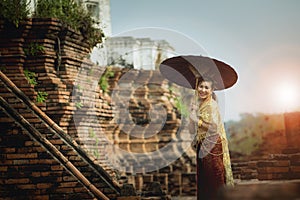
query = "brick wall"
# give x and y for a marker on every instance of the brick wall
(277, 158)
(27, 169)
(84, 111)
(138, 92)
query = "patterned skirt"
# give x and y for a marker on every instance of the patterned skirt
(210, 169)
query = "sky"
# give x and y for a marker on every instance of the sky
(260, 39)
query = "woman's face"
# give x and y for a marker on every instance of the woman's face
(205, 89)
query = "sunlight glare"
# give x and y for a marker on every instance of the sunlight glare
(287, 96)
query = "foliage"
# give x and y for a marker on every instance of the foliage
(33, 49)
(14, 11)
(78, 87)
(183, 109)
(72, 14)
(30, 76)
(78, 105)
(178, 102)
(103, 82)
(92, 134)
(3, 67)
(121, 61)
(41, 96)
(245, 136)
(96, 154)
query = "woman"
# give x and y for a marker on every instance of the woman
(213, 161)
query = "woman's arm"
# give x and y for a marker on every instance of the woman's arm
(208, 118)
(205, 121)
(205, 126)
(210, 127)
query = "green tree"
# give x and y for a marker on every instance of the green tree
(14, 11)
(72, 14)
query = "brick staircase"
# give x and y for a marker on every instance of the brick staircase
(37, 164)
(83, 115)
(33, 169)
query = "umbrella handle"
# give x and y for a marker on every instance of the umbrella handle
(196, 89)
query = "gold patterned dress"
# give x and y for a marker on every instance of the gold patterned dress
(213, 160)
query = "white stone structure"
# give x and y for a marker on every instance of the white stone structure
(101, 12)
(138, 53)
(32, 5)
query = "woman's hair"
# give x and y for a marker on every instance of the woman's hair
(208, 79)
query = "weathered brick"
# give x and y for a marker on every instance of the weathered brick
(273, 170)
(265, 163)
(252, 164)
(20, 162)
(45, 173)
(17, 181)
(7, 162)
(64, 190)
(246, 170)
(36, 174)
(31, 143)
(56, 167)
(282, 163)
(79, 189)
(36, 168)
(68, 178)
(74, 158)
(295, 158)
(46, 161)
(44, 185)
(69, 184)
(3, 168)
(56, 142)
(20, 156)
(265, 176)
(9, 150)
(295, 163)
(280, 157)
(27, 186)
(41, 197)
(295, 168)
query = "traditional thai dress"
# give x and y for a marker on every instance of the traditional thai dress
(213, 161)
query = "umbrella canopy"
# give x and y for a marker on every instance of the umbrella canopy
(185, 70)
